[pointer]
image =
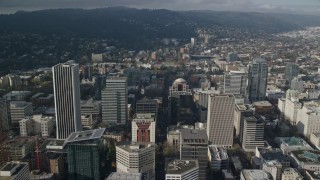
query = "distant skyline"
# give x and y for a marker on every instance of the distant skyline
(268, 6)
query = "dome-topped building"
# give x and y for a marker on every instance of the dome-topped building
(180, 81)
(179, 87)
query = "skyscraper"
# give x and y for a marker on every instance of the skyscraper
(66, 86)
(86, 154)
(292, 70)
(194, 146)
(235, 83)
(115, 101)
(221, 119)
(258, 74)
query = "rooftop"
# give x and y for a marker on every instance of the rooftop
(307, 156)
(181, 166)
(124, 176)
(262, 103)
(256, 174)
(180, 81)
(144, 117)
(52, 144)
(218, 153)
(273, 154)
(134, 146)
(313, 174)
(292, 141)
(85, 135)
(194, 136)
(19, 104)
(12, 168)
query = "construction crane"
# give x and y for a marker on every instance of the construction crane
(37, 153)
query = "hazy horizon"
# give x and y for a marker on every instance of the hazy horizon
(311, 7)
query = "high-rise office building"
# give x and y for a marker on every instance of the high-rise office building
(115, 101)
(252, 133)
(258, 74)
(194, 146)
(292, 70)
(221, 119)
(235, 82)
(180, 102)
(86, 154)
(136, 158)
(66, 86)
(144, 127)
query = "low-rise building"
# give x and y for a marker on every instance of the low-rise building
(182, 170)
(86, 121)
(263, 107)
(269, 154)
(15, 171)
(312, 175)
(91, 107)
(136, 158)
(306, 160)
(273, 167)
(17, 95)
(19, 110)
(20, 148)
(124, 176)
(288, 144)
(291, 174)
(254, 174)
(25, 126)
(315, 140)
(47, 124)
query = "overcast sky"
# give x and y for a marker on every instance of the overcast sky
(286, 6)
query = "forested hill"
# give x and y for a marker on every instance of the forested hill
(142, 25)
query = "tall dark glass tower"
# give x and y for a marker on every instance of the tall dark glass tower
(86, 154)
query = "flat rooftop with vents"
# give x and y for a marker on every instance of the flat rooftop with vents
(85, 135)
(181, 166)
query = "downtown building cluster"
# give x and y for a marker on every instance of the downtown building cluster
(228, 115)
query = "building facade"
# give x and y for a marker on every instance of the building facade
(221, 119)
(144, 127)
(235, 82)
(194, 145)
(258, 74)
(114, 101)
(136, 158)
(85, 154)
(19, 110)
(66, 86)
(252, 134)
